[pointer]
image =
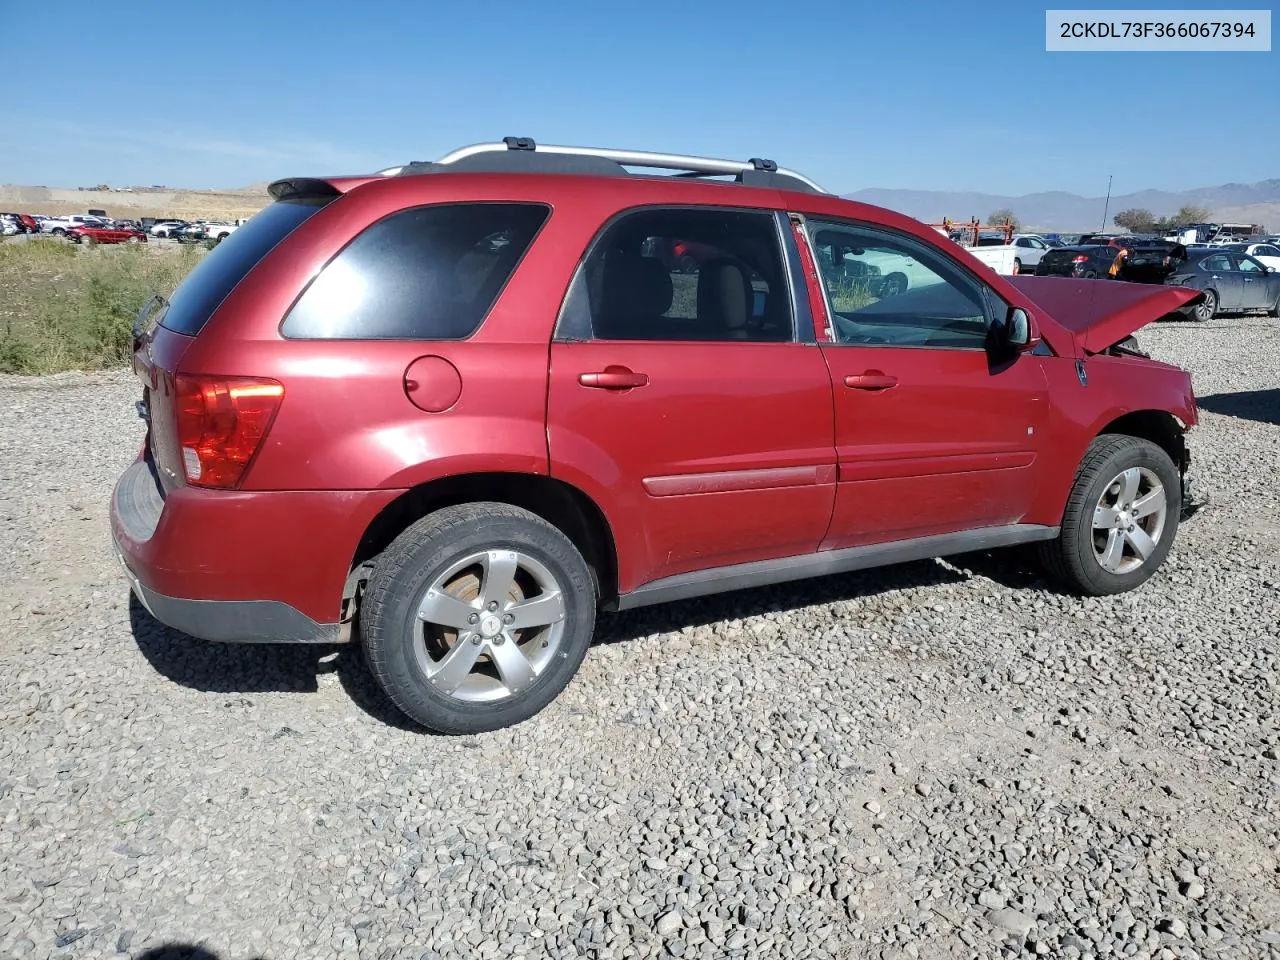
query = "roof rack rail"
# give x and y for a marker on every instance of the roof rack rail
(514, 154)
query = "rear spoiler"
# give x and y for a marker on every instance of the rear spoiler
(294, 188)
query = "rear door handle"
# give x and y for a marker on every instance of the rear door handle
(613, 378)
(872, 380)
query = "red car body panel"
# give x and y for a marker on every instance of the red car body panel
(233, 545)
(724, 456)
(951, 447)
(729, 453)
(108, 234)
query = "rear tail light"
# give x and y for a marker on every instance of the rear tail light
(221, 422)
(1080, 259)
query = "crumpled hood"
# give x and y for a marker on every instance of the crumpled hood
(1100, 313)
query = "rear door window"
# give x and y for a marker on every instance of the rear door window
(205, 287)
(425, 273)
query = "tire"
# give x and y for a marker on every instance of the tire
(1091, 275)
(1080, 557)
(1275, 309)
(438, 555)
(1207, 309)
(1017, 266)
(895, 284)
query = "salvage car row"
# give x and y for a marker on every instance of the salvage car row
(96, 227)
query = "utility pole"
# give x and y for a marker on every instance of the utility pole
(1105, 206)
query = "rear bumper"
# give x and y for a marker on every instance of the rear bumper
(230, 621)
(240, 566)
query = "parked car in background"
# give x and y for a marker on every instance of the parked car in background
(1087, 261)
(1231, 282)
(58, 226)
(166, 228)
(1150, 260)
(189, 233)
(8, 226)
(370, 421)
(1268, 254)
(219, 230)
(90, 234)
(1030, 248)
(24, 223)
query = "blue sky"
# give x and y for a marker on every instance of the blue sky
(854, 94)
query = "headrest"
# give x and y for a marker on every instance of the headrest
(725, 295)
(635, 287)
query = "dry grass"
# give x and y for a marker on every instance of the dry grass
(65, 307)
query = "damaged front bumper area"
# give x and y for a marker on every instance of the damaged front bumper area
(1193, 499)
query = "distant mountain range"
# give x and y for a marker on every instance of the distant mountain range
(1059, 211)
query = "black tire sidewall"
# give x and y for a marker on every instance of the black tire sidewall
(1078, 541)
(393, 598)
(1205, 311)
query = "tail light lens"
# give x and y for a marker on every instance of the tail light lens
(1082, 258)
(221, 423)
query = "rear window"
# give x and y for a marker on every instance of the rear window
(426, 273)
(227, 264)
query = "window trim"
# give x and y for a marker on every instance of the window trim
(293, 304)
(987, 296)
(560, 332)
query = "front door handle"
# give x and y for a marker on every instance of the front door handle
(871, 380)
(613, 378)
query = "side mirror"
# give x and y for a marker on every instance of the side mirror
(1017, 334)
(1021, 333)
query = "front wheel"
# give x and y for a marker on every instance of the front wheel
(477, 617)
(1207, 308)
(1121, 517)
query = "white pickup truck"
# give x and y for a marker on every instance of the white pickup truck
(218, 232)
(993, 245)
(58, 226)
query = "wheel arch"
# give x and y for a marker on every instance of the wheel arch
(1158, 426)
(562, 505)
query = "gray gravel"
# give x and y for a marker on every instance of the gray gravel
(942, 760)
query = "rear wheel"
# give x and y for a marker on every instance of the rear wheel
(1091, 275)
(477, 617)
(1121, 517)
(1207, 309)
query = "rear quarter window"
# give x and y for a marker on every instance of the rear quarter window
(425, 273)
(230, 261)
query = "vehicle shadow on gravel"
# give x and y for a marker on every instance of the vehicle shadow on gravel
(1009, 567)
(179, 951)
(246, 668)
(232, 668)
(1262, 406)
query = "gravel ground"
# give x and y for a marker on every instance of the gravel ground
(940, 760)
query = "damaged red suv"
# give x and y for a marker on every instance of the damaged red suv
(452, 410)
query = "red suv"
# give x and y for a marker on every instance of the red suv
(453, 409)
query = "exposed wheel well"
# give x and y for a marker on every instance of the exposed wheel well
(1158, 426)
(563, 506)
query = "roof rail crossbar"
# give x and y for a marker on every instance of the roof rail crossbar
(689, 166)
